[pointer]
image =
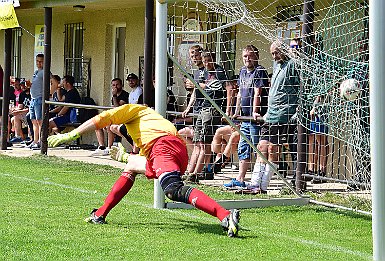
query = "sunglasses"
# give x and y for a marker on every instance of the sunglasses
(295, 46)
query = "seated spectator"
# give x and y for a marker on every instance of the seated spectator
(19, 114)
(64, 112)
(224, 144)
(56, 94)
(119, 97)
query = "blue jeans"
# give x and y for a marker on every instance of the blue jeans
(251, 131)
(36, 109)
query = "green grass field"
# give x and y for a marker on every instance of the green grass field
(44, 201)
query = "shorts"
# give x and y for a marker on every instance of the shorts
(123, 131)
(61, 120)
(251, 131)
(318, 127)
(205, 126)
(278, 133)
(168, 154)
(35, 109)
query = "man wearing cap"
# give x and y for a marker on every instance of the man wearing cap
(137, 90)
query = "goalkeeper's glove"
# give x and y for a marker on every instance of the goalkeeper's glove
(58, 139)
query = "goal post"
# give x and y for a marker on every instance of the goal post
(377, 110)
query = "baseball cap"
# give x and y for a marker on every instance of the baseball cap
(132, 76)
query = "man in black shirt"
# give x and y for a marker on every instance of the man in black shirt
(66, 114)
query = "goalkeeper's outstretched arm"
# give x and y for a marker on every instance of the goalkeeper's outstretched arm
(56, 140)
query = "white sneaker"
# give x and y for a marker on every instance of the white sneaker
(99, 152)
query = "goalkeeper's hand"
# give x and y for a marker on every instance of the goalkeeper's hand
(58, 139)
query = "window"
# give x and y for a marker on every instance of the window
(74, 62)
(16, 52)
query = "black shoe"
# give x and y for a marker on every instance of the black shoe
(316, 180)
(206, 176)
(219, 164)
(94, 218)
(193, 178)
(309, 172)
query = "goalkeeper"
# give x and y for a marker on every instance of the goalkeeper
(165, 158)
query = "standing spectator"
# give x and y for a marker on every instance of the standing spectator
(282, 106)
(251, 102)
(154, 135)
(184, 125)
(359, 70)
(119, 97)
(212, 82)
(64, 112)
(35, 108)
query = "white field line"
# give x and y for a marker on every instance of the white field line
(210, 220)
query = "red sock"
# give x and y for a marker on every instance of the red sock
(118, 191)
(203, 202)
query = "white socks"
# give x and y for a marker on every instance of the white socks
(267, 174)
(256, 176)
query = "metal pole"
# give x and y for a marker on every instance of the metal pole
(148, 91)
(46, 77)
(6, 85)
(377, 123)
(160, 79)
(307, 41)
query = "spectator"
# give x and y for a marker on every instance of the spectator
(64, 112)
(251, 102)
(57, 93)
(35, 108)
(212, 81)
(184, 125)
(20, 114)
(119, 97)
(282, 106)
(17, 91)
(154, 135)
(136, 93)
(225, 141)
(359, 70)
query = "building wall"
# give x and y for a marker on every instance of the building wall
(98, 27)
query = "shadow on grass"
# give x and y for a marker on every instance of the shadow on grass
(177, 224)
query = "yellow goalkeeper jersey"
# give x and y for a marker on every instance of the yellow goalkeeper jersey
(144, 125)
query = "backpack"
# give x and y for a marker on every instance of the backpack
(86, 114)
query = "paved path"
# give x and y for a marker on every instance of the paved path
(85, 156)
(79, 155)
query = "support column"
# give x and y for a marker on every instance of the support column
(6, 84)
(46, 77)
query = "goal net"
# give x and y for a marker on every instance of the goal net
(334, 112)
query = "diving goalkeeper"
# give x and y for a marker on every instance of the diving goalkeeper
(163, 156)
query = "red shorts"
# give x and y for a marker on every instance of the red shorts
(168, 154)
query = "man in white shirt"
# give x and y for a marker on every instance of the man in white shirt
(137, 90)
